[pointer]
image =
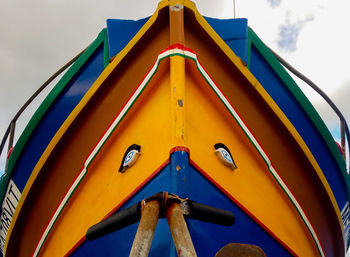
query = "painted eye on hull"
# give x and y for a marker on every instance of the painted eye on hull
(224, 155)
(130, 157)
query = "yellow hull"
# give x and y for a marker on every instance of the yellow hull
(167, 99)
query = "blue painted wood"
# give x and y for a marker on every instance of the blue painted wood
(55, 117)
(233, 31)
(207, 238)
(120, 32)
(298, 117)
(235, 34)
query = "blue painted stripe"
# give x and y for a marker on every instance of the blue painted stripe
(235, 34)
(233, 31)
(207, 238)
(55, 116)
(120, 32)
(298, 117)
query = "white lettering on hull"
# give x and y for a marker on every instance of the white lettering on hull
(8, 208)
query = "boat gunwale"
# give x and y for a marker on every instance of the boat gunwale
(236, 61)
(306, 105)
(268, 99)
(47, 103)
(78, 108)
(186, 53)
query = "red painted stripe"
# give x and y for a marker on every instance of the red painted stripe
(75, 246)
(177, 46)
(105, 131)
(42, 233)
(174, 46)
(263, 149)
(137, 188)
(121, 109)
(206, 175)
(179, 148)
(225, 97)
(300, 208)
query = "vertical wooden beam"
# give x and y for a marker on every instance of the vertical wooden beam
(177, 76)
(176, 16)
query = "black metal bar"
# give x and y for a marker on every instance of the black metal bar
(209, 214)
(132, 214)
(12, 134)
(3, 141)
(319, 91)
(342, 140)
(117, 221)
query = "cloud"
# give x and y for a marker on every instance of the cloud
(288, 36)
(274, 3)
(289, 32)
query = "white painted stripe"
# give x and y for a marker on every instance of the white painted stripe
(60, 207)
(131, 101)
(264, 155)
(92, 155)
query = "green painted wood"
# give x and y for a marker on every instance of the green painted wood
(45, 105)
(302, 100)
(105, 47)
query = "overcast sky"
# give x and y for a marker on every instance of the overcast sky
(39, 36)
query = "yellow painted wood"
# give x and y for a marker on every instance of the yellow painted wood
(251, 184)
(178, 100)
(148, 125)
(250, 77)
(177, 75)
(147, 55)
(172, 98)
(103, 188)
(222, 72)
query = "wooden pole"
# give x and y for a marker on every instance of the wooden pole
(145, 231)
(179, 231)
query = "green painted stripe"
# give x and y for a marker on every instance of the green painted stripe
(45, 105)
(59, 214)
(268, 163)
(105, 47)
(94, 153)
(247, 133)
(304, 103)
